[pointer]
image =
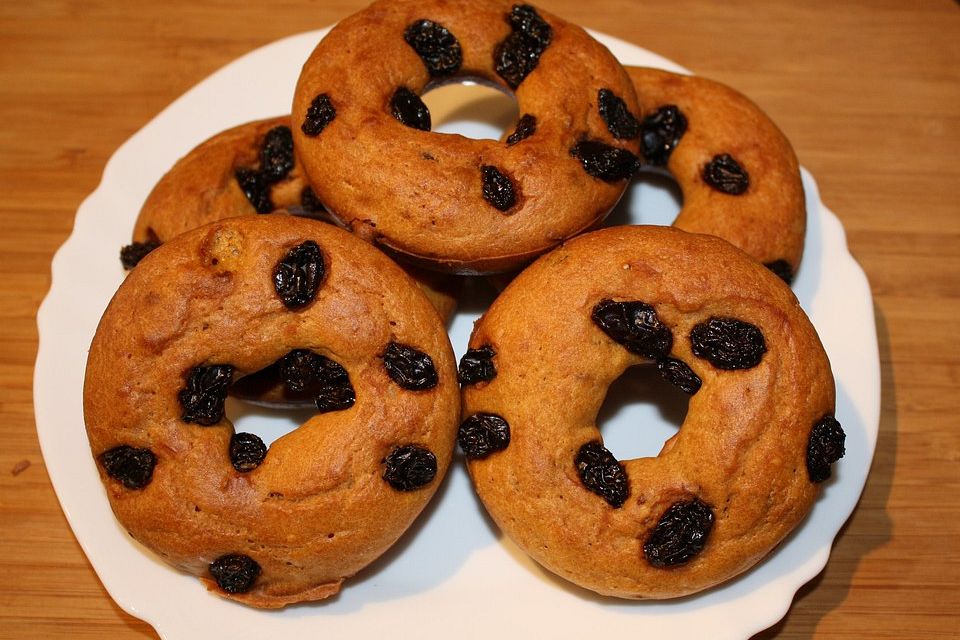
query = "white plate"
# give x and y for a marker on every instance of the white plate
(452, 570)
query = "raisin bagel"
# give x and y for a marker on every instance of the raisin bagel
(446, 201)
(284, 524)
(746, 465)
(737, 171)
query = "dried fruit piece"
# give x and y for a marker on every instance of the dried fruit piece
(409, 368)
(235, 572)
(620, 122)
(298, 276)
(728, 343)
(409, 467)
(725, 174)
(476, 365)
(677, 372)
(409, 109)
(247, 451)
(526, 127)
(130, 466)
(680, 534)
(497, 188)
(602, 161)
(482, 434)
(602, 474)
(635, 325)
(204, 394)
(436, 46)
(310, 202)
(660, 133)
(256, 188)
(307, 373)
(320, 113)
(276, 154)
(782, 269)
(826, 446)
(520, 52)
(132, 254)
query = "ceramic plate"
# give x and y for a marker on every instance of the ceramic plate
(452, 570)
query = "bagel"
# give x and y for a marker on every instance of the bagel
(289, 523)
(746, 465)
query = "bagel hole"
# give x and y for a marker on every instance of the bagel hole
(268, 423)
(472, 109)
(653, 197)
(640, 413)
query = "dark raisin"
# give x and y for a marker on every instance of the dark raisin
(130, 466)
(725, 174)
(235, 573)
(482, 434)
(204, 394)
(602, 161)
(526, 127)
(476, 365)
(255, 186)
(408, 109)
(824, 447)
(409, 467)
(497, 188)
(247, 451)
(436, 46)
(132, 254)
(782, 270)
(728, 343)
(677, 372)
(602, 474)
(680, 534)
(320, 113)
(660, 133)
(310, 202)
(307, 373)
(409, 368)
(276, 154)
(620, 122)
(520, 52)
(635, 325)
(298, 275)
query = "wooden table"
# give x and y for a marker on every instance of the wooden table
(869, 93)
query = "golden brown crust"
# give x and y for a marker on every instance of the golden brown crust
(769, 220)
(419, 193)
(317, 509)
(741, 448)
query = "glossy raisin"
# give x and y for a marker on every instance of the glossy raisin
(320, 113)
(436, 46)
(255, 186)
(482, 434)
(602, 161)
(130, 466)
(620, 122)
(526, 127)
(782, 270)
(409, 368)
(132, 254)
(635, 325)
(602, 474)
(276, 154)
(728, 343)
(476, 365)
(520, 52)
(660, 133)
(409, 109)
(247, 451)
(826, 446)
(497, 188)
(204, 394)
(409, 467)
(310, 202)
(235, 572)
(680, 534)
(297, 277)
(677, 373)
(725, 174)
(306, 373)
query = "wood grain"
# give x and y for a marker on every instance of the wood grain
(869, 93)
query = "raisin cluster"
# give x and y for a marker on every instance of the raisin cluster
(635, 325)
(825, 446)
(247, 451)
(132, 254)
(620, 122)
(409, 467)
(204, 394)
(603, 161)
(526, 127)
(310, 374)
(410, 368)
(476, 365)
(276, 162)
(660, 133)
(520, 52)
(728, 343)
(130, 466)
(298, 275)
(320, 113)
(602, 473)
(235, 572)
(497, 188)
(409, 109)
(482, 434)
(725, 174)
(436, 46)
(680, 534)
